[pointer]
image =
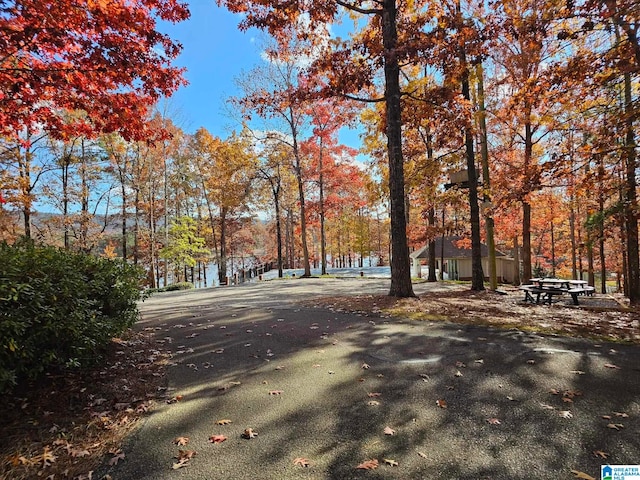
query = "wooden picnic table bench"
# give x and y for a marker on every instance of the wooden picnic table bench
(542, 294)
(544, 289)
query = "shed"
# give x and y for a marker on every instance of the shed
(453, 256)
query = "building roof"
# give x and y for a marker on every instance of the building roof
(452, 249)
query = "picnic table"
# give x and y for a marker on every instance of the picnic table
(544, 289)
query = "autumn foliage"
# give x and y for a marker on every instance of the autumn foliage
(102, 57)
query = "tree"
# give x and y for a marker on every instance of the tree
(227, 169)
(185, 246)
(350, 69)
(105, 58)
(271, 93)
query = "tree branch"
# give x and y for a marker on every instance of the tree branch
(364, 11)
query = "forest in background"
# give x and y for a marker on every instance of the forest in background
(535, 101)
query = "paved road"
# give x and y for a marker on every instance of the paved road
(233, 346)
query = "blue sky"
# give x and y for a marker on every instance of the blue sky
(215, 52)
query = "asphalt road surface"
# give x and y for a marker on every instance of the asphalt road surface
(460, 402)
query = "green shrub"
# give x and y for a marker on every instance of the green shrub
(170, 288)
(178, 286)
(58, 309)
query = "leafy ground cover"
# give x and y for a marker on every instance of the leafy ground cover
(67, 424)
(64, 425)
(601, 317)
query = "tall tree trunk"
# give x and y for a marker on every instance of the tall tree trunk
(484, 155)
(477, 277)
(303, 212)
(432, 245)
(66, 161)
(526, 206)
(323, 240)
(24, 163)
(516, 260)
(222, 266)
(630, 197)
(400, 266)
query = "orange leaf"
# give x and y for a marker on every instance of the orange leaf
(181, 440)
(368, 464)
(217, 438)
(225, 421)
(441, 403)
(249, 433)
(303, 462)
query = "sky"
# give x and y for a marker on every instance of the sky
(215, 52)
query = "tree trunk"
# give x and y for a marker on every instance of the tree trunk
(400, 266)
(526, 206)
(323, 240)
(484, 155)
(432, 246)
(222, 266)
(477, 277)
(630, 197)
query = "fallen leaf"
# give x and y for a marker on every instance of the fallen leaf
(185, 454)
(547, 406)
(606, 417)
(365, 366)
(480, 361)
(276, 392)
(582, 475)
(249, 433)
(373, 402)
(553, 391)
(457, 374)
(224, 421)
(217, 438)
(600, 454)
(77, 453)
(280, 367)
(621, 414)
(47, 457)
(612, 366)
(423, 455)
(615, 426)
(389, 431)
(303, 462)
(531, 362)
(567, 400)
(368, 464)
(577, 372)
(441, 403)
(572, 393)
(180, 464)
(493, 421)
(181, 440)
(116, 458)
(460, 365)
(373, 394)
(565, 414)
(390, 462)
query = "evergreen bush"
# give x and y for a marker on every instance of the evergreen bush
(59, 309)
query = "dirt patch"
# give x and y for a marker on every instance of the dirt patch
(600, 317)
